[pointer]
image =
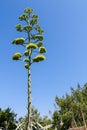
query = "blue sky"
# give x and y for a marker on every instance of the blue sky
(65, 37)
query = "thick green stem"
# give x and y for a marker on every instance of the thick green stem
(29, 126)
(29, 99)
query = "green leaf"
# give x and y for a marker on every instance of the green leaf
(28, 10)
(26, 60)
(26, 66)
(18, 41)
(39, 58)
(39, 29)
(42, 49)
(27, 28)
(39, 37)
(26, 53)
(23, 17)
(34, 16)
(39, 44)
(34, 19)
(19, 27)
(31, 45)
(16, 56)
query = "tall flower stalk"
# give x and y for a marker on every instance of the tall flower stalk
(33, 49)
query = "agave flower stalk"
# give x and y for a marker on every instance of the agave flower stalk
(32, 44)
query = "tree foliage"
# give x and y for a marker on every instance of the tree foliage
(72, 109)
(36, 117)
(7, 119)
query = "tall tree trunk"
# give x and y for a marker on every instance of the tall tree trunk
(83, 117)
(75, 122)
(29, 127)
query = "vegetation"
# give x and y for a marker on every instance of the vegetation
(7, 119)
(33, 48)
(72, 109)
(36, 118)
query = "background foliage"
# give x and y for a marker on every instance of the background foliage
(72, 109)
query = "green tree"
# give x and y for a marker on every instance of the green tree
(46, 121)
(56, 119)
(72, 109)
(36, 118)
(7, 119)
(80, 104)
(33, 48)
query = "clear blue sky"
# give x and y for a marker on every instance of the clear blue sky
(65, 26)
